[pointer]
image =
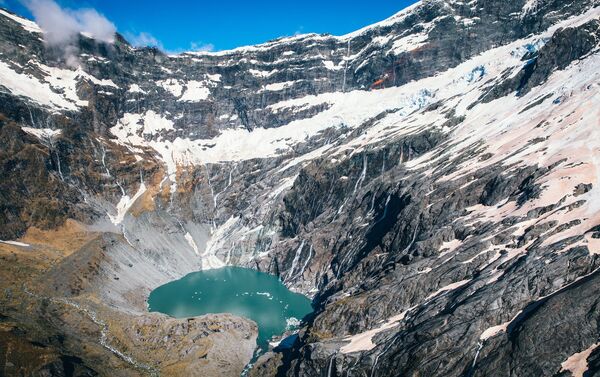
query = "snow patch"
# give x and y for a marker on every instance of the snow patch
(42, 133)
(16, 243)
(125, 204)
(26, 24)
(408, 43)
(447, 288)
(195, 91)
(278, 86)
(192, 243)
(45, 93)
(494, 330)
(135, 88)
(331, 65)
(364, 340)
(577, 363)
(172, 86)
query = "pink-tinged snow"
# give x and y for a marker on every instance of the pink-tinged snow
(571, 132)
(593, 244)
(577, 363)
(497, 124)
(567, 130)
(449, 247)
(495, 330)
(447, 288)
(496, 248)
(364, 340)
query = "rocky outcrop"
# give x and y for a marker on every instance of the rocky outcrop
(54, 322)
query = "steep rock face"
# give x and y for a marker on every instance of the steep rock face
(430, 180)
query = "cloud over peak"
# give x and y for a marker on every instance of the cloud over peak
(145, 39)
(61, 26)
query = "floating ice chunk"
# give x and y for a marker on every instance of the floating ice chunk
(291, 323)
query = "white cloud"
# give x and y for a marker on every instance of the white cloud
(143, 39)
(96, 24)
(200, 46)
(62, 26)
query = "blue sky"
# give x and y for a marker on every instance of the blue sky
(178, 25)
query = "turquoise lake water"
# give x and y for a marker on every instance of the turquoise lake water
(245, 292)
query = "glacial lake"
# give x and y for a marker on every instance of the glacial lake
(241, 291)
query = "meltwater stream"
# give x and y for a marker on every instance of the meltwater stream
(241, 291)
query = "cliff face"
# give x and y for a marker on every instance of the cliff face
(431, 180)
